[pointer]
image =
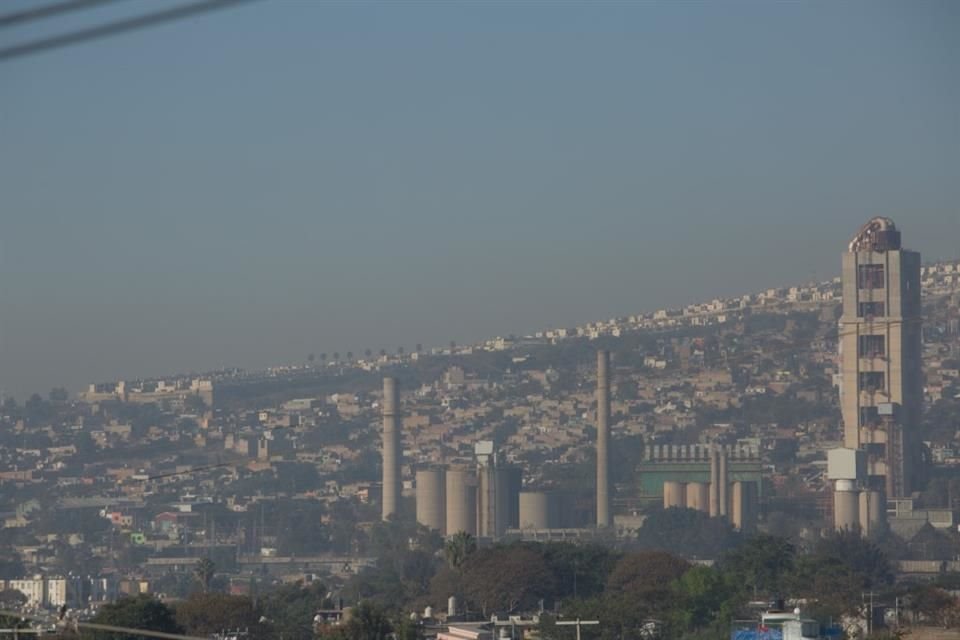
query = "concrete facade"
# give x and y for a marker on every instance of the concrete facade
(431, 501)
(535, 510)
(880, 351)
(698, 496)
(461, 501)
(674, 494)
(391, 448)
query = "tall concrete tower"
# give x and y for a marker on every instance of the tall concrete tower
(880, 353)
(391, 448)
(603, 439)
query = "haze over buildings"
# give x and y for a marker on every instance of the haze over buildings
(510, 167)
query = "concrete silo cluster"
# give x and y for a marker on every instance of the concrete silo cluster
(856, 506)
(482, 499)
(735, 498)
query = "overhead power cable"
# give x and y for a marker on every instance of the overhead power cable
(39, 13)
(113, 28)
(74, 625)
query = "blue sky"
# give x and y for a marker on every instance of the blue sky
(253, 185)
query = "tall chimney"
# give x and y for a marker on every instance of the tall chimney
(391, 448)
(714, 482)
(603, 438)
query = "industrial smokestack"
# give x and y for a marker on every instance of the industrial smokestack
(603, 438)
(391, 448)
(714, 482)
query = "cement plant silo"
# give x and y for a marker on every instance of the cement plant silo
(698, 496)
(535, 511)
(461, 490)
(846, 506)
(506, 499)
(744, 506)
(431, 506)
(871, 512)
(674, 494)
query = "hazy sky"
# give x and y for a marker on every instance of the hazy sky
(253, 185)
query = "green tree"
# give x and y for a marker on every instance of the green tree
(205, 614)
(704, 599)
(687, 532)
(366, 622)
(644, 580)
(933, 604)
(859, 554)
(407, 629)
(12, 599)
(507, 578)
(762, 565)
(203, 573)
(290, 609)
(580, 570)
(141, 612)
(459, 547)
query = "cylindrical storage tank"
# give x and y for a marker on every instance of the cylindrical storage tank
(878, 512)
(504, 499)
(515, 480)
(430, 502)
(846, 506)
(864, 511)
(535, 510)
(698, 496)
(744, 506)
(461, 499)
(451, 606)
(674, 494)
(871, 512)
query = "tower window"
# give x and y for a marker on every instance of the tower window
(871, 310)
(872, 346)
(869, 416)
(870, 276)
(871, 381)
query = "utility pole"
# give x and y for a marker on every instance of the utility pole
(579, 624)
(869, 594)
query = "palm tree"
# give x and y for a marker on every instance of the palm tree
(458, 549)
(349, 356)
(383, 352)
(323, 358)
(336, 357)
(399, 351)
(368, 352)
(203, 572)
(419, 347)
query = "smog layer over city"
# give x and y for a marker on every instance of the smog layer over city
(520, 320)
